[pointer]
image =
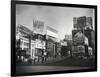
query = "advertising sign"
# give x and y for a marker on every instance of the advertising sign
(78, 49)
(40, 44)
(78, 38)
(52, 32)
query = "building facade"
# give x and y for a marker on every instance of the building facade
(51, 40)
(82, 35)
(29, 43)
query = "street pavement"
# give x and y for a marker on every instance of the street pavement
(66, 64)
(39, 68)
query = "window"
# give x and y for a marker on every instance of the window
(26, 44)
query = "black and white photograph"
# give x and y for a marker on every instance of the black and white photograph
(54, 38)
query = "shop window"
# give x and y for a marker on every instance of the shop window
(26, 44)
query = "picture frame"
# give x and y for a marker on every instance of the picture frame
(60, 59)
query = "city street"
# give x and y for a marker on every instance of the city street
(32, 69)
(66, 64)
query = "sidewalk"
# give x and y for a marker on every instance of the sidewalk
(48, 60)
(51, 59)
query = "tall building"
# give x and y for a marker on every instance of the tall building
(51, 39)
(83, 27)
(90, 34)
(23, 40)
(31, 43)
(40, 45)
(38, 27)
(79, 22)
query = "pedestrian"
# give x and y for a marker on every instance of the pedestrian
(45, 54)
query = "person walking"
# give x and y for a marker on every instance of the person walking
(45, 54)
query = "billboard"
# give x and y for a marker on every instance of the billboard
(78, 49)
(52, 32)
(78, 37)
